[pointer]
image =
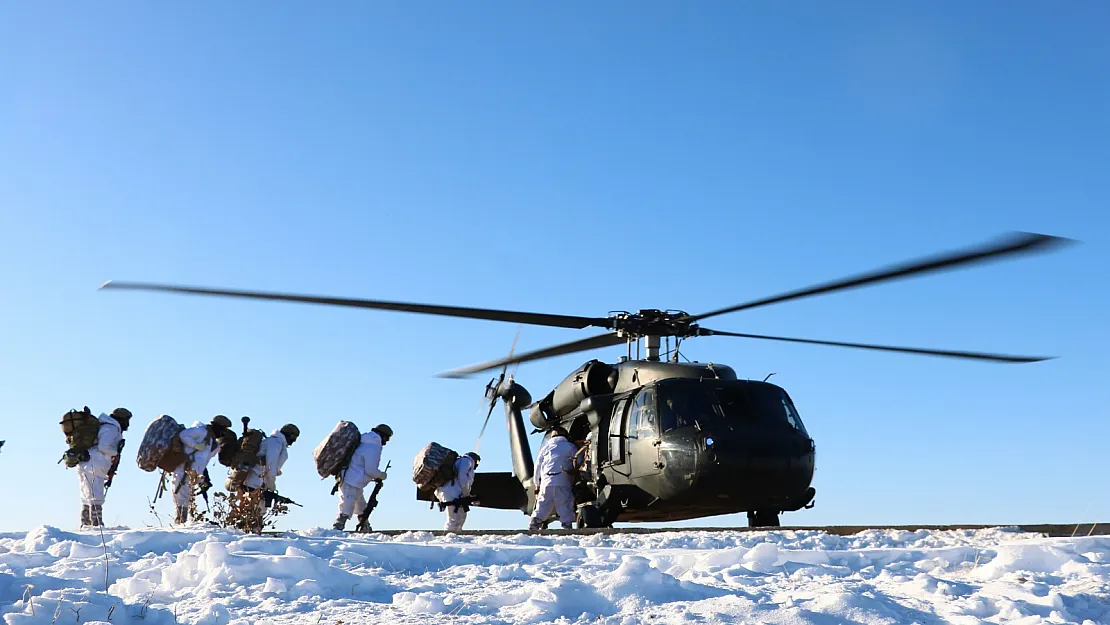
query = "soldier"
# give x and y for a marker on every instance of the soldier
(94, 472)
(200, 443)
(454, 495)
(553, 483)
(272, 455)
(359, 472)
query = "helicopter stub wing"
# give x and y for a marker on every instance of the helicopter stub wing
(500, 490)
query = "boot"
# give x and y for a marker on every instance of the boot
(341, 522)
(96, 515)
(86, 518)
(181, 515)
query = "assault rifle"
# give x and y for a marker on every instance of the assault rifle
(270, 497)
(364, 518)
(115, 464)
(205, 484)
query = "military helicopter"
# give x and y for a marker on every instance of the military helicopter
(666, 440)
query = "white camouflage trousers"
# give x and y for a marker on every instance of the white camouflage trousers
(556, 495)
(184, 495)
(92, 484)
(352, 501)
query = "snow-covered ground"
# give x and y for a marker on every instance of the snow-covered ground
(195, 575)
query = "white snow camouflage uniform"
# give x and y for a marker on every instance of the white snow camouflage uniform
(272, 454)
(199, 446)
(458, 487)
(93, 473)
(553, 477)
(362, 469)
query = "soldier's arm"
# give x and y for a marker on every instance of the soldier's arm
(372, 460)
(193, 438)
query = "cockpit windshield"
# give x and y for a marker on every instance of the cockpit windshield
(732, 404)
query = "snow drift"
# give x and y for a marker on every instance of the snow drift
(198, 575)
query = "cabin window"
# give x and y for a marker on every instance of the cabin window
(616, 432)
(644, 419)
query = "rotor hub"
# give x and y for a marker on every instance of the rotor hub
(653, 322)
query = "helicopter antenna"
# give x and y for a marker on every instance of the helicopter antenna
(768, 377)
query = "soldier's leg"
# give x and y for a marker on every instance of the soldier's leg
(92, 495)
(182, 490)
(545, 505)
(348, 499)
(564, 506)
(455, 519)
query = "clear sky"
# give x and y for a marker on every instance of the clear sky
(571, 159)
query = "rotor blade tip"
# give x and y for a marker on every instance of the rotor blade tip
(455, 375)
(1047, 240)
(106, 284)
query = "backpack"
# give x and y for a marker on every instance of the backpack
(333, 454)
(250, 445)
(229, 446)
(434, 466)
(81, 429)
(161, 447)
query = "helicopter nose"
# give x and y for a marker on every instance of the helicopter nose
(756, 468)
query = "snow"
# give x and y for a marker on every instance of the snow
(199, 575)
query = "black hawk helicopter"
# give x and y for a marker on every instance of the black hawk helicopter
(663, 440)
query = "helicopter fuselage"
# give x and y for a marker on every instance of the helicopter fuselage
(667, 441)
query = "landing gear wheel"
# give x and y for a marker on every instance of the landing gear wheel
(763, 518)
(590, 516)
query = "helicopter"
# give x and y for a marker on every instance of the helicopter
(663, 440)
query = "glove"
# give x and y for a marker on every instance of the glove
(385, 474)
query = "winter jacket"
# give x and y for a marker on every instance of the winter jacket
(199, 445)
(104, 452)
(272, 453)
(364, 462)
(556, 458)
(460, 486)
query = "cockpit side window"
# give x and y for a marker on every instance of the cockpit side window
(644, 417)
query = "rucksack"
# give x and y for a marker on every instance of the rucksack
(161, 447)
(434, 466)
(250, 445)
(82, 429)
(229, 446)
(333, 454)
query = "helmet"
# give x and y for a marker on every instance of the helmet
(384, 431)
(123, 416)
(291, 432)
(474, 454)
(221, 421)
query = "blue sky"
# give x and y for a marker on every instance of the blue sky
(573, 159)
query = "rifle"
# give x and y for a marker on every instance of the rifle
(364, 518)
(205, 484)
(115, 465)
(270, 497)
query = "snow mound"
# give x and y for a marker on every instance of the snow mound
(203, 576)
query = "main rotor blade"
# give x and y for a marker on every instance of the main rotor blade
(886, 348)
(594, 342)
(1015, 243)
(542, 319)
